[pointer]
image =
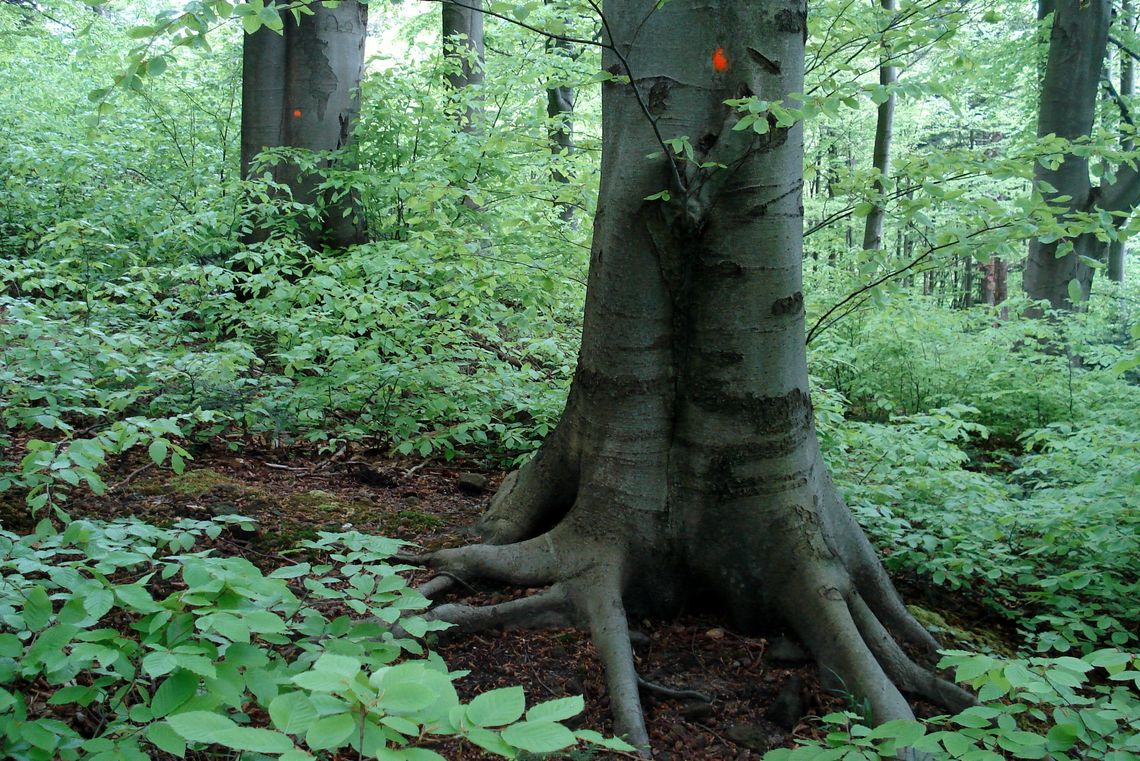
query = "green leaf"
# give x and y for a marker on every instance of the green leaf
(37, 608)
(295, 755)
(490, 741)
(406, 698)
(136, 598)
(1061, 737)
(596, 738)
(199, 664)
(254, 740)
(557, 710)
(976, 717)
(262, 621)
(292, 713)
(319, 681)
(39, 735)
(905, 732)
(159, 662)
(98, 603)
(497, 707)
(163, 736)
(956, 744)
(421, 754)
(78, 694)
(173, 693)
(330, 732)
(269, 17)
(539, 736)
(1075, 291)
(401, 725)
(157, 451)
(200, 726)
(291, 571)
(228, 625)
(10, 646)
(341, 665)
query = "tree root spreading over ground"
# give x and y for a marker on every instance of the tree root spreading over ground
(847, 612)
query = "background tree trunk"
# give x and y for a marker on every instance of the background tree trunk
(1067, 109)
(463, 43)
(301, 89)
(995, 290)
(1118, 248)
(262, 94)
(884, 130)
(560, 111)
(686, 470)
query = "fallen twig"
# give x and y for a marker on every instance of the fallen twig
(669, 692)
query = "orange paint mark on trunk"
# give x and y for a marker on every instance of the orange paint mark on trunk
(719, 61)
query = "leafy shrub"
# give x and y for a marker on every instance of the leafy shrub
(1053, 546)
(141, 643)
(910, 355)
(1061, 708)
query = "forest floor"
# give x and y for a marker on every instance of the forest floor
(763, 692)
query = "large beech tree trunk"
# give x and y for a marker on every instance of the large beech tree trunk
(301, 89)
(686, 468)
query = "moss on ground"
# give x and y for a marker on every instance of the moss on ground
(190, 483)
(955, 635)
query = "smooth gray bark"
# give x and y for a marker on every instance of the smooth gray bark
(301, 89)
(1118, 248)
(881, 157)
(463, 43)
(262, 94)
(686, 468)
(560, 111)
(1069, 89)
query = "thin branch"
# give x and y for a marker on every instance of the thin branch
(524, 25)
(612, 47)
(847, 212)
(1124, 47)
(815, 330)
(1125, 112)
(605, 46)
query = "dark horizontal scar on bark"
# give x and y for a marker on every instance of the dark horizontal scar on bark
(773, 67)
(789, 304)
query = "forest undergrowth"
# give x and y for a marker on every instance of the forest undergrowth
(986, 466)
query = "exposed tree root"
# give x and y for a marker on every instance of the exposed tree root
(533, 498)
(545, 609)
(670, 692)
(869, 577)
(907, 674)
(439, 585)
(830, 632)
(600, 598)
(536, 562)
(832, 590)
